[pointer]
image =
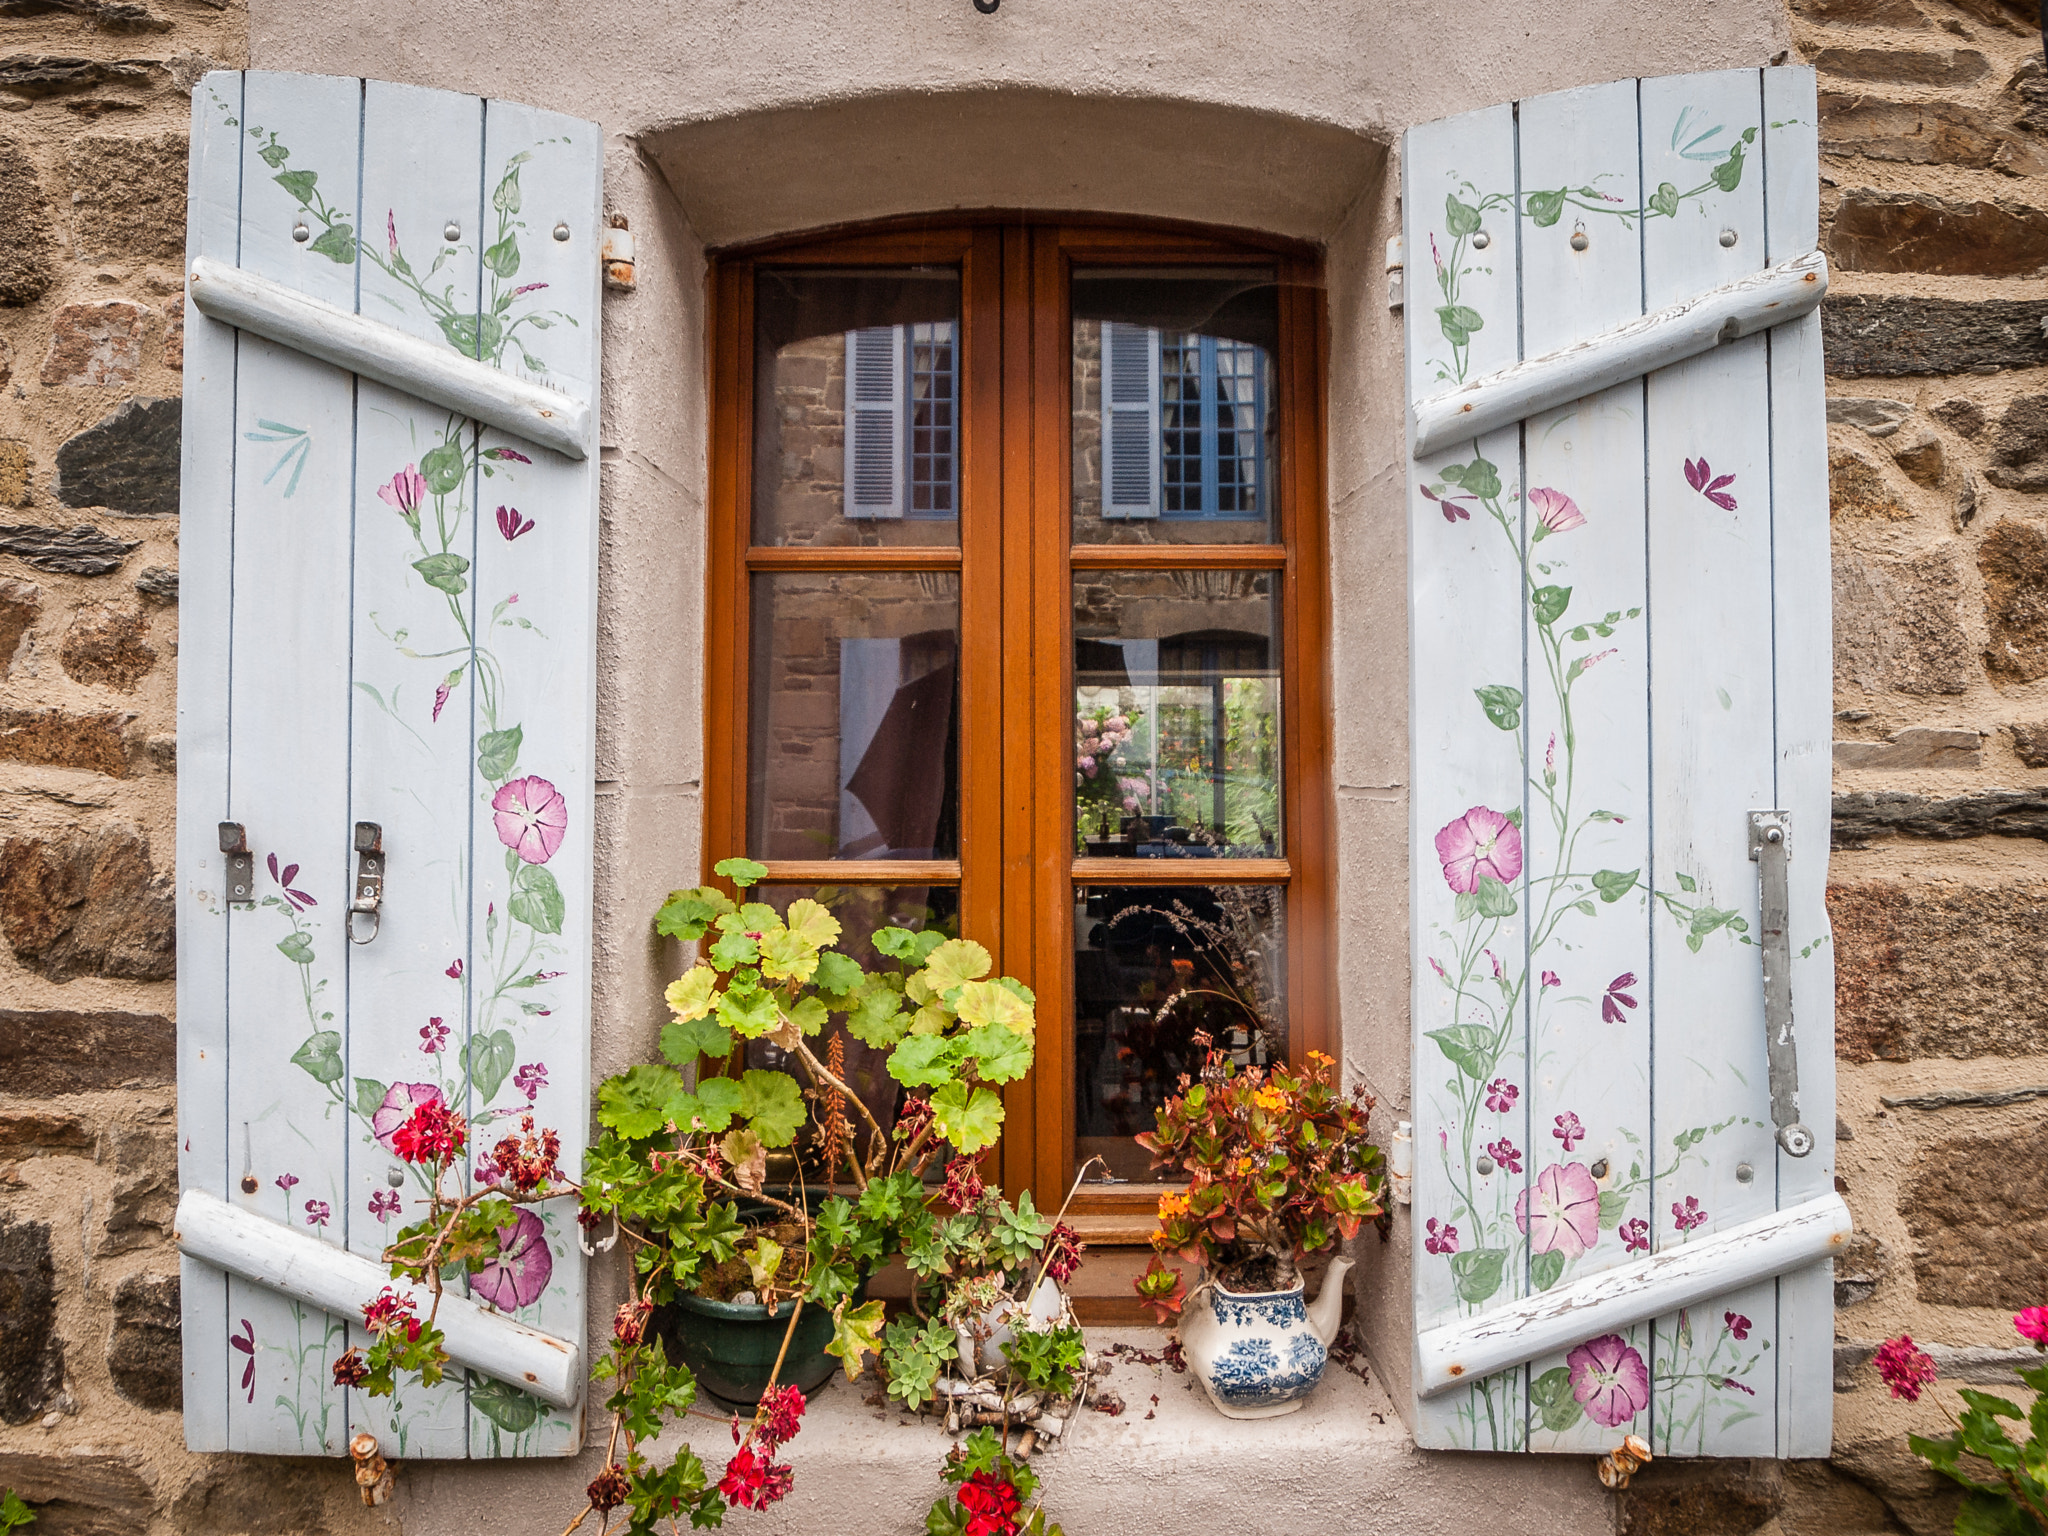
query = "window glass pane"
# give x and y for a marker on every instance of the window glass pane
(856, 406)
(1177, 714)
(861, 909)
(853, 730)
(1153, 965)
(1174, 406)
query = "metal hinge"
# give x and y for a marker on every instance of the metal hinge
(1770, 846)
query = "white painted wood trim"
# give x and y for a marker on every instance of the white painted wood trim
(1728, 313)
(296, 1264)
(1461, 1352)
(382, 352)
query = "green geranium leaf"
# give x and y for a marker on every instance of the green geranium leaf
(741, 872)
(684, 1040)
(809, 1015)
(749, 1014)
(687, 914)
(878, 1018)
(855, 1332)
(1001, 1055)
(786, 956)
(838, 975)
(925, 1061)
(989, 1002)
(953, 964)
(635, 1103)
(970, 1121)
(690, 995)
(734, 949)
(320, 1055)
(773, 1104)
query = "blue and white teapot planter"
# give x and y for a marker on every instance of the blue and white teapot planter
(1259, 1354)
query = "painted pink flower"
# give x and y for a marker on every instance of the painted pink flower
(1609, 1380)
(433, 1037)
(2033, 1324)
(1552, 979)
(1635, 1235)
(526, 288)
(1481, 844)
(1686, 1214)
(399, 1103)
(1904, 1366)
(441, 693)
(1506, 1154)
(1730, 1381)
(285, 1181)
(1617, 999)
(1588, 663)
(1498, 973)
(1737, 1324)
(385, 1204)
(454, 971)
(1562, 1213)
(317, 1212)
(507, 453)
(511, 525)
(516, 1275)
(245, 1342)
(1567, 1129)
(405, 491)
(530, 1079)
(1438, 966)
(391, 228)
(1441, 1238)
(531, 818)
(284, 878)
(1701, 477)
(1451, 506)
(1501, 1095)
(1555, 512)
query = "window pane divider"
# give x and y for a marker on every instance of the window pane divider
(861, 872)
(857, 557)
(1181, 871)
(1178, 557)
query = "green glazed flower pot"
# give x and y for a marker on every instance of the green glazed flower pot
(731, 1347)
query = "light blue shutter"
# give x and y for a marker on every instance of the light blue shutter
(1620, 643)
(875, 454)
(1130, 420)
(390, 534)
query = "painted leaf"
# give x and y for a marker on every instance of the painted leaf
(773, 1104)
(510, 1409)
(855, 1332)
(490, 1059)
(337, 242)
(1503, 705)
(1665, 200)
(969, 1121)
(1480, 477)
(443, 467)
(1469, 1046)
(297, 948)
(1545, 207)
(472, 335)
(1613, 1207)
(444, 573)
(503, 258)
(321, 1056)
(536, 899)
(299, 184)
(369, 1096)
(1552, 1397)
(1493, 897)
(1613, 884)
(1477, 1273)
(497, 753)
(519, 1271)
(1548, 603)
(1460, 218)
(1545, 1268)
(1458, 322)
(1728, 174)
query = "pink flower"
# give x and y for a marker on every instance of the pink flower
(405, 491)
(1904, 1367)
(1505, 1153)
(1616, 999)
(317, 1212)
(1453, 511)
(391, 228)
(530, 1079)
(1566, 1217)
(531, 818)
(511, 525)
(1588, 663)
(516, 1275)
(1737, 1324)
(1438, 966)
(454, 971)
(1480, 845)
(1701, 477)
(1609, 1380)
(399, 1103)
(1498, 973)
(526, 288)
(1566, 1128)
(433, 1037)
(385, 1204)
(245, 1342)
(285, 1181)
(441, 692)
(1556, 512)
(1552, 979)
(1441, 1238)
(1501, 1095)
(1730, 1381)
(507, 453)
(300, 900)
(1635, 1235)
(1686, 1214)
(2033, 1324)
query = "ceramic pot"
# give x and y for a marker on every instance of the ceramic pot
(1259, 1354)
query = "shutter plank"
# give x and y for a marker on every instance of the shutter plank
(1593, 1072)
(1466, 618)
(288, 764)
(422, 160)
(537, 606)
(1803, 626)
(206, 557)
(1712, 761)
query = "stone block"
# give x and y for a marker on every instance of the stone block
(1962, 416)
(90, 904)
(28, 260)
(127, 461)
(14, 467)
(2026, 95)
(159, 584)
(80, 551)
(48, 1051)
(1857, 489)
(1822, 1500)
(55, 738)
(1898, 624)
(2020, 16)
(1860, 13)
(1700, 1498)
(174, 341)
(21, 604)
(128, 196)
(96, 345)
(2019, 445)
(1977, 1207)
(1860, 1264)
(31, 1354)
(145, 1187)
(1921, 133)
(258, 1496)
(2013, 560)
(33, 1132)
(37, 76)
(1919, 747)
(145, 1354)
(2030, 742)
(106, 15)
(1879, 418)
(82, 1493)
(1861, 818)
(1937, 969)
(1935, 236)
(1904, 66)
(108, 647)
(1921, 456)
(1879, 336)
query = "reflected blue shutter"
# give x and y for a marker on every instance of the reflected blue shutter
(875, 456)
(1130, 420)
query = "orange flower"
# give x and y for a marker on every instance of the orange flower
(1270, 1099)
(1171, 1206)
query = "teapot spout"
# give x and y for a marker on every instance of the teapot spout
(1327, 1311)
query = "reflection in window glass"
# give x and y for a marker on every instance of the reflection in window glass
(856, 406)
(1153, 966)
(853, 728)
(1173, 418)
(1176, 714)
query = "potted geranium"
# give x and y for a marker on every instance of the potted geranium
(1278, 1169)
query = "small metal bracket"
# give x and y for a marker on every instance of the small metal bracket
(369, 889)
(1770, 847)
(241, 871)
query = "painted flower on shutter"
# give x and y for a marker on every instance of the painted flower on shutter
(1635, 1235)
(511, 525)
(385, 1204)
(1562, 1213)
(1609, 1380)
(1737, 1324)
(1501, 1095)
(1505, 1153)
(397, 1108)
(515, 1276)
(1617, 999)
(1686, 1214)
(531, 818)
(1567, 1129)
(433, 1037)
(284, 877)
(530, 1079)
(285, 1181)
(1555, 513)
(317, 1213)
(1701, 477)
(245, 1343)
(405, 491)
(1442, 1238)
(1481, 844)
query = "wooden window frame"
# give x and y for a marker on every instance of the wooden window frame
(1017, 869)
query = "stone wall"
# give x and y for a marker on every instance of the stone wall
(93, 108)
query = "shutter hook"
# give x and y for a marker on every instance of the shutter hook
(1770, 846)
(369, 880)
(241, 871)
